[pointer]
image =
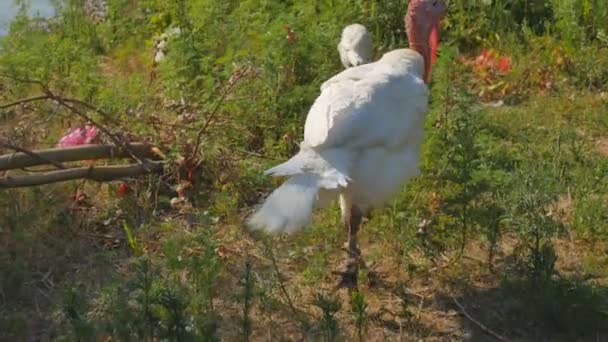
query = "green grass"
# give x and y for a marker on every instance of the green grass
(508, 218)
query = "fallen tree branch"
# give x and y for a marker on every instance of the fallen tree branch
(477, 323)
(99, 174)
(67, 154)
(35, 156)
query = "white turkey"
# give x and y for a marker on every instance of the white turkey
(362, 136)
(355, 47)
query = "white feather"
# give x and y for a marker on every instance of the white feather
(331, 165)
(362, 135)
(355, 47)
(289, 207)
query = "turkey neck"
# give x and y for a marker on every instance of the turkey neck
(418, 36)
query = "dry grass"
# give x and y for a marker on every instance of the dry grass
(602, 146)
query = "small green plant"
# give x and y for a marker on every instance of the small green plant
(329, 307)
(359, 312)
(463, 162)
(529, 213)
(171, 306)
(269, 306)
(74, 309)
(135, 246)
(465, 201)
(143, 283)
(206, 268)
(492, 223)
(248, 291)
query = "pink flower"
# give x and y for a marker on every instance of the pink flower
(79, 136)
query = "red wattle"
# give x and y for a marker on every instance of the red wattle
(434, 42)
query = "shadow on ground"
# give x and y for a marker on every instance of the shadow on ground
(557, 309)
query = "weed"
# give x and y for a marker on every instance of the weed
(532, 196)
(359, 312)
(329, 307)
(247, 296)
(73, 309)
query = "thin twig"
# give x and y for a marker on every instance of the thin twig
(84, 104)
(420, 308)
(282, 286)
(199, 135)
(22, 101)
(89, 106)
(102, 128)
(157, 122)
(246, 301)
(24, 80)
(479, 324)
(232, 84)
(65, 102)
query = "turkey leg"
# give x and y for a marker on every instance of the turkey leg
(350, 267)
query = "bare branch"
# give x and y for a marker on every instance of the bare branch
(25, 152)
(99, 174)
(228, 89)
(66, 102)
(24, 80)
(22, 101)
(102, 128)
(68, 154)
(89, 106)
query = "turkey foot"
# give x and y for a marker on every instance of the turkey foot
(373, 279)
(352, 224)
(348, 273)
(352, 251)
(350, 268)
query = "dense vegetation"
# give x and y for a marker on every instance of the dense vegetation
(506, 230)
